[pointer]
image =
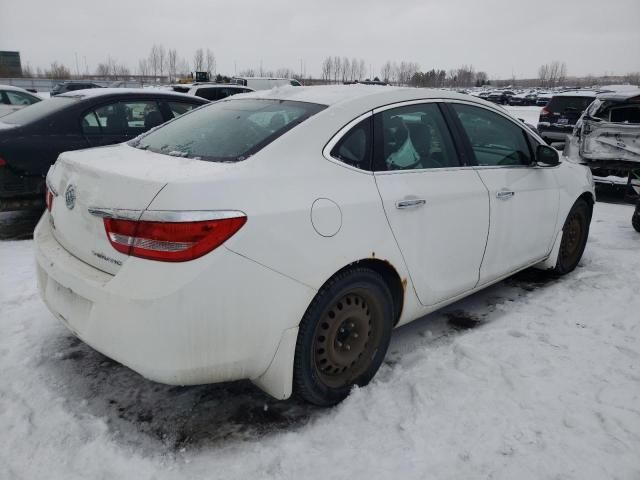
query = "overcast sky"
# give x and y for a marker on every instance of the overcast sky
(501, 37)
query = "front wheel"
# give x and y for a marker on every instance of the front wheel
(574, 237)
(343, 336)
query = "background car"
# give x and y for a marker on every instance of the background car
(72, 86)
(561, 113)
(269, 237)
(31, 139)
(607, 138)
(13, 99)
(211, 91)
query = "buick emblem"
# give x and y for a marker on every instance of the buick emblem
(70, 197)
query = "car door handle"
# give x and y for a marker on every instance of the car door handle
(505, 194)
(410, 203)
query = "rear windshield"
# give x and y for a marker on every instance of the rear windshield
(569, 104)
(227, 131)
(38, 110)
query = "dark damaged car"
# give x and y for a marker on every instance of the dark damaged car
(32, 138)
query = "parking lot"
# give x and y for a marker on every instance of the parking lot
(528, 378)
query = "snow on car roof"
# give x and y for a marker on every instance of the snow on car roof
(101, 92)
(619, 96)
(577, 93)
(375, 94)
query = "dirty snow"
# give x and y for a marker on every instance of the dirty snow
(530, 379)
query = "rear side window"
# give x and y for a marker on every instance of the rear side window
(495, 140)
(19, 98)
(123, 118)
(563, 104)
(209, 93)
(228, 131)
(413, 137)
(355, 147)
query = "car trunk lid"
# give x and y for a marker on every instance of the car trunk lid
(120, 179)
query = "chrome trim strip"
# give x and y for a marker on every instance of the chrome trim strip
(165, 215)
(115, 213)
(53, 190)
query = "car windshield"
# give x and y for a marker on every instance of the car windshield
(38, 110)
(227, 131)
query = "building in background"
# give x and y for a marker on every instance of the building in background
(10, 65)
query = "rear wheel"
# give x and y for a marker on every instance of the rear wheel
(574, 237)
(343, 336)
(635, 220)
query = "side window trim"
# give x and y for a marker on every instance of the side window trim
(333, 141)
(460, 139)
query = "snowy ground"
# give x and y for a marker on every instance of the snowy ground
(531, 379)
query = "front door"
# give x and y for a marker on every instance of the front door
(523, 197)
(437, 208)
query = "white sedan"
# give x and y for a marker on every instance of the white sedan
(280, 236)
(13, 99)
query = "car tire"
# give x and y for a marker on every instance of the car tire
(635, 219)
(343, 336)
(574, 237)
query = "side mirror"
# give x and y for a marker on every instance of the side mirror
(547, 156)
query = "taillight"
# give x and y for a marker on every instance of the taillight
(49, 198)
(544, 112)
(170, 241)
(3, 162)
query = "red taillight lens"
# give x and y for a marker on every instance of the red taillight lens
(3, 162)
(545, 111)
(49, 199)
(170, 241)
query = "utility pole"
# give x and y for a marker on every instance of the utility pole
(77, 68)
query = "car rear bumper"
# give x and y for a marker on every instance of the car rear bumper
(554, 132)
(215, 319)
(19, 192)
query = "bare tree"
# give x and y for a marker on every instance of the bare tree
(362, 69)
(337, 68)
(162, 59)
(143, 67)
(172, 61)
(386, 70)
(327, 68)
(198, 60)
(58, 71)
(27, 72)
(154, 60)
(210, 62)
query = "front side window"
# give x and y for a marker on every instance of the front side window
(208, 93)
(229, 130)
(495, 140)
(413, 137)
(355, 147)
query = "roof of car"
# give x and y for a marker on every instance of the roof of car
(374, 94)
(104, 92)
(577, 93)
(14, 89)
(620, 96)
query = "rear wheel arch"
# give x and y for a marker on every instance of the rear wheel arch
(389, 274)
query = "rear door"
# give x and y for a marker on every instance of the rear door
(436, 205)
(523, 197)
(119, 121)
